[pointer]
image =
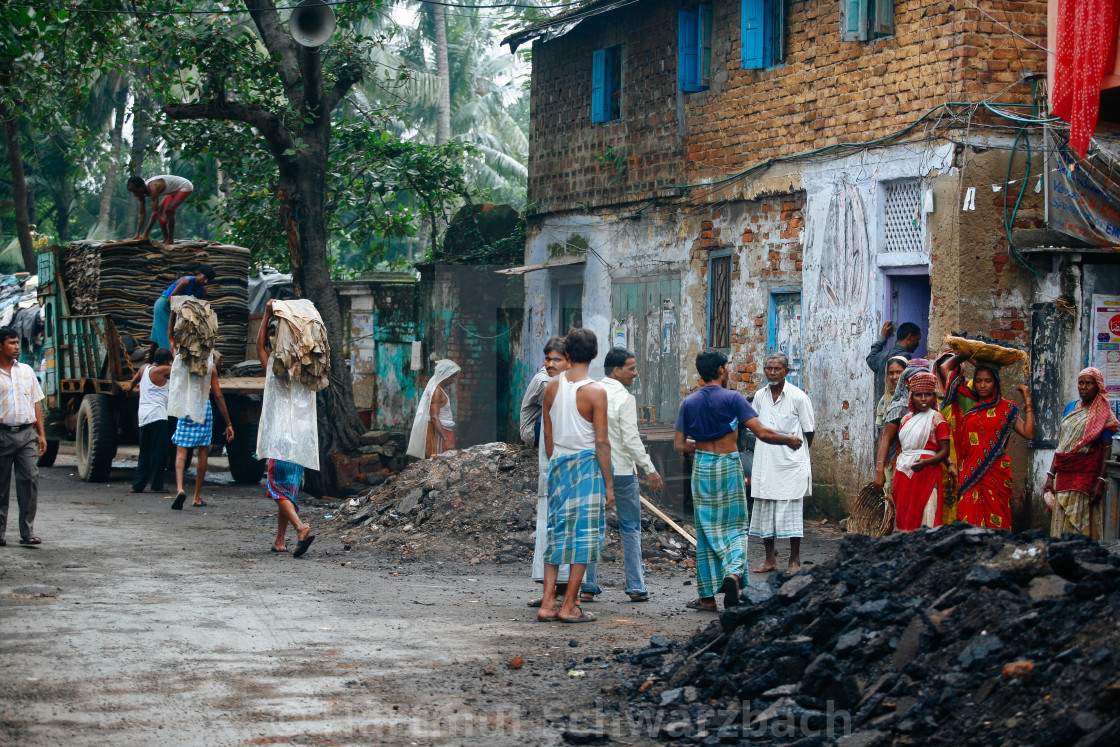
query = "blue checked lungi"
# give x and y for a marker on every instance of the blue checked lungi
(780, 519)
(190, 434)
(284, 479)
(719, 503)
(576, 509)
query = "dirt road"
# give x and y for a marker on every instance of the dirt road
(136, 625)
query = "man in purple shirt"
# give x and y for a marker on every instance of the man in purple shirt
(708, 425)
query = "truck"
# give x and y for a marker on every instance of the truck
(86, 357)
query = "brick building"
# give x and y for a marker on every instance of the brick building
(761, 175)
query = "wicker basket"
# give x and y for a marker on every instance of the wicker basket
(872, 513)
(989, 353)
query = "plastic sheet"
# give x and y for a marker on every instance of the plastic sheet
(289, 426)
(187, 393)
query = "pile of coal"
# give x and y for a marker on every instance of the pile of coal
(958, 635)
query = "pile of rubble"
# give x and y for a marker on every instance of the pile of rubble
(959, 635)
(478, 504)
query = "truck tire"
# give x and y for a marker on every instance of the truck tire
(241, 452)
(95, 438)
(48, 456)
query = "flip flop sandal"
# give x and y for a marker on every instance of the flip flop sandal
(31, 541)
(584, 617)
(537, 602)
(552, 619)
(180, 499)
(273, 549)
(586, 597)
(730, 591)
(200, 504)
(639, 597)
(301, 548)
(696, 604)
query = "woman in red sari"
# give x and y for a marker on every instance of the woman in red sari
(923, 439)
(980, 440)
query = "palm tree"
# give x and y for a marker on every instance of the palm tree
(483, 87)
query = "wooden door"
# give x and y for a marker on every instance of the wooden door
(645, 322)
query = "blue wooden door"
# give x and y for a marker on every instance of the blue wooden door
(644, 321)
(785, 330)
(909, 302)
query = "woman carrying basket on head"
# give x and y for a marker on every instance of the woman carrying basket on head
(1075, 483)
(980, 440)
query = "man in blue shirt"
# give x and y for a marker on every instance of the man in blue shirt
(708, 425)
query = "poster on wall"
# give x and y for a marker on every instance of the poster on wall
(619, 335)
(1106, 345)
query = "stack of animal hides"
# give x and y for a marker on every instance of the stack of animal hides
(195, 332)
(123, 279)
(299, 346)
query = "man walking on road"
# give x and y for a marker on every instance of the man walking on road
(22, 439)
(531, 405)
(580, 488)
(284, 477)
(708, 425)
(627, 451)
(780, 478)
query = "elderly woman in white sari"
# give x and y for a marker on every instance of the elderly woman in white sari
(431, 431)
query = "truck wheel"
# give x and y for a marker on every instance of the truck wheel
(48, 457)
(95, 439)
(243, 464)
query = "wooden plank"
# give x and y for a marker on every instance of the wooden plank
(241, 383)
(665, 518)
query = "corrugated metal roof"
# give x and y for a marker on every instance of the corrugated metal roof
(561, 24)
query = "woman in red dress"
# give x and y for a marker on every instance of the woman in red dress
(923, 439)
(980, 439)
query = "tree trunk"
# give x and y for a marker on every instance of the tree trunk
(304, 185)
(140, 131)
(62, 214)
(19, 192)
(443, 72)
(103, 214)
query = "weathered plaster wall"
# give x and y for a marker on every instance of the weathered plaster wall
(381, 324)
(843, 302)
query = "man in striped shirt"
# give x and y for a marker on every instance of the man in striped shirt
(22, 439)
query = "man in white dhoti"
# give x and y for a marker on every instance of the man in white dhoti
(781, 477)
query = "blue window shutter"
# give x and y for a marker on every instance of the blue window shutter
(688, 51)
(753, 39)
(705, 44)
(853, 20)
(599, 110)
(883, 17)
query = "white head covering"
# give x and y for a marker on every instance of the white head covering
(416, 443)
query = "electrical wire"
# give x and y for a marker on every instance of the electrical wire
(220, 11)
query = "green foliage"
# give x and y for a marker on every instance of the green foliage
(385, 182)
(379, 187)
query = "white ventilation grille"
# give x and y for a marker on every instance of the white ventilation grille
(904, 228)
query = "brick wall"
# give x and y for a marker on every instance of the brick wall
(567, 152)
(766, 253)
(827, 92)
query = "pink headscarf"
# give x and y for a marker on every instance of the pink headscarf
(1101, 418)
